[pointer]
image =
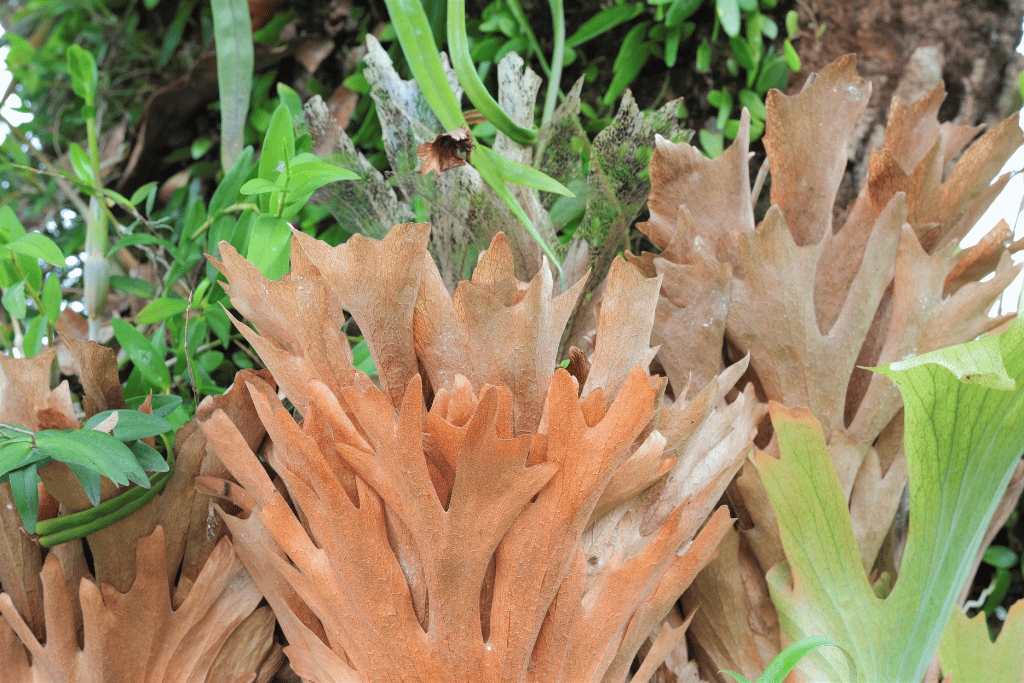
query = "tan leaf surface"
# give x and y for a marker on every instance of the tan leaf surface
(394, 265)
(495, 330)
(772, 314)
(625, 319)
(299, 322)
(735, 626)
(138, 635)
(715, 191)
(25, 393)
(97, 372)
(20, 561)
(806, 136)
(435, 531)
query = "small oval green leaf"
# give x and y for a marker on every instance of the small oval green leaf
(729, 14)
(38, 246)
(160, 309)
(14, 300)
(604, 21)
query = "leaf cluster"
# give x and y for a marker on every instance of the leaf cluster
(109, 444)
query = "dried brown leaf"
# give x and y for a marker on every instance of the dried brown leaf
(624, 328)
(20, 562)
(495, 330)
(138, 635)
(394, 265)
(445, 152)
(806, 137)
(715, 191)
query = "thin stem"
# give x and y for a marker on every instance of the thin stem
(476, 91)
(524, 26)
(557, 57)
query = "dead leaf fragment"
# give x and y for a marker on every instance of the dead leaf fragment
(445, 152)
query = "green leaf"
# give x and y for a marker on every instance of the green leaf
(162, 404)
(308, 176)
(89, 479)
(966, 648)
(462, 63)
(15, 454)
(232, 30)
(160, 309)
(703, 57)
(149, 458)
(290, 99)
(362, 360)
(93, 450)
(10, 227)
(211, 360)
(792, 23)
(269, 245)
(742, 52)
(25, 492)
(136, 239)
(33, 337)
(728, 12)
(774, 74)
(788, 658)
(172, 36)
(673, 36)
(219, 323)
(14, 300)
(740, 678)
(1000, 585)
(962, 440)
(38, 246)
(227, 192)
(133, 285)
(142, 193)
(259, 186)
(753, 103)
(680, 10)
(199, 147)
(792, 58)
(424, 58)
(142, 354)
(131, 424)
(604, 21)
(278, 144)
(52, 298)
(84, 75)
(712, 143)
(80, 162)
(519, 174)
(631, 59)
(999, 556)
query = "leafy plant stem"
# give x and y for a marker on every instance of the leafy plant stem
(486, 164)
(239, 208)
(66, 187)
(80, 524)
(413, 30)
(458, 47)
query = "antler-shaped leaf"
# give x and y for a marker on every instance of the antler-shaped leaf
(141, 635)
